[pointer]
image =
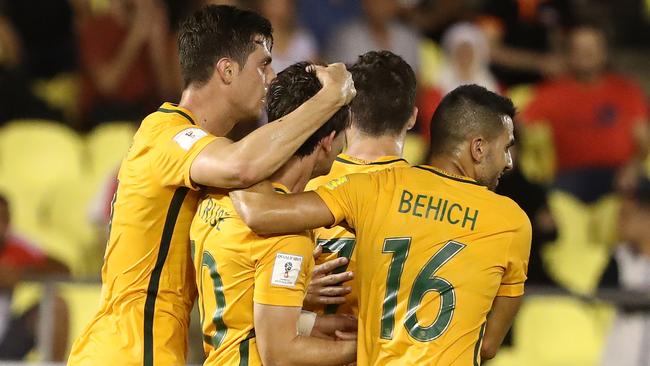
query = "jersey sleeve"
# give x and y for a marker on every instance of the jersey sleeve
(282, 274)
(512, 282)
(174, 149)
(347, 196)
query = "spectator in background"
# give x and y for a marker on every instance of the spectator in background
(291, 43)
(525, 37)
(434, 17)
(598, 121)
(466, 61)
(322, 17)
(47, 36)
(16, 98)
(627, 343)
(128, 61)
(467, 55)
(20, 260)
(377, 30)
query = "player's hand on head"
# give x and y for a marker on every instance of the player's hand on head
(336, 78)
(326, 288)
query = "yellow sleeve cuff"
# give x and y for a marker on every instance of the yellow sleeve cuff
(330, 201)
(511, 290)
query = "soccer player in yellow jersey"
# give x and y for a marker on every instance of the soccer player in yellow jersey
(441, 259)
(251, 288)
(147, 279)
(382, 113)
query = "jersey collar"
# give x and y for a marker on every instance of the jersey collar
(444, 174)
(347, 159)
(173, 108)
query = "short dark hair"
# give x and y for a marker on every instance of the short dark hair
(292, 87)
(385, 86)
(214, 32)
(466, 111)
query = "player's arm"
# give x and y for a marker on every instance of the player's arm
(227, 164)
(510, 293)
(499, 321)
(267, 212)
(342, 199)
(278, 343)
(628, 175)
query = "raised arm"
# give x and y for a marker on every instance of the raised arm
(225, 164)
(279, 344)
(267, 212)
(499, 321)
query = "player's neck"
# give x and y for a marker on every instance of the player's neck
(365, 147)
(211, 113)
(295, 174)
(451, 165)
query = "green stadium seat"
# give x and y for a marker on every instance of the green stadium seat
(83, 302)
(537, 153)
(36, 153)
(582, 248)
(557, 331)
(65, 210)
(107, 145)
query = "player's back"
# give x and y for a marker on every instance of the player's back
(235, 268)
(433, 251)
(338, 241)
(147, 278)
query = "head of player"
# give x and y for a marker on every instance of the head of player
(290, 89)
(471, 134)
(384, 108)
(225, 57)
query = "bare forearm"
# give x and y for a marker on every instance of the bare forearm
(163, 67)
(499, 322)
(520, 59)
(271, 213)
(108, 76)
(309, 351)
(269, 147)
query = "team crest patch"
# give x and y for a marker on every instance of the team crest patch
(286, 269)
(331, 185)
(188, 137)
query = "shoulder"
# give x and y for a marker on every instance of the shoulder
(621, 82)
(548, 88)
(513, 215)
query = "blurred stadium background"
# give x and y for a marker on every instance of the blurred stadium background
(76, 77)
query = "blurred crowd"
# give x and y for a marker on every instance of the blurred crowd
(576, 69)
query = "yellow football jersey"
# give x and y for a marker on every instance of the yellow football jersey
(147, 279)
(235, 268)
(433, 251)
(339, 241)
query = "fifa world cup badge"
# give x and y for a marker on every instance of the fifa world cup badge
(287, 269)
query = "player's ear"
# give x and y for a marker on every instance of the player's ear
(327, 141)
(412, 119)
(478, 148)
(226, 69)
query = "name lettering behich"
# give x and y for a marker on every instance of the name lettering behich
(437, 208)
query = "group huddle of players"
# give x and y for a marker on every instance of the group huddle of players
(427, 263)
